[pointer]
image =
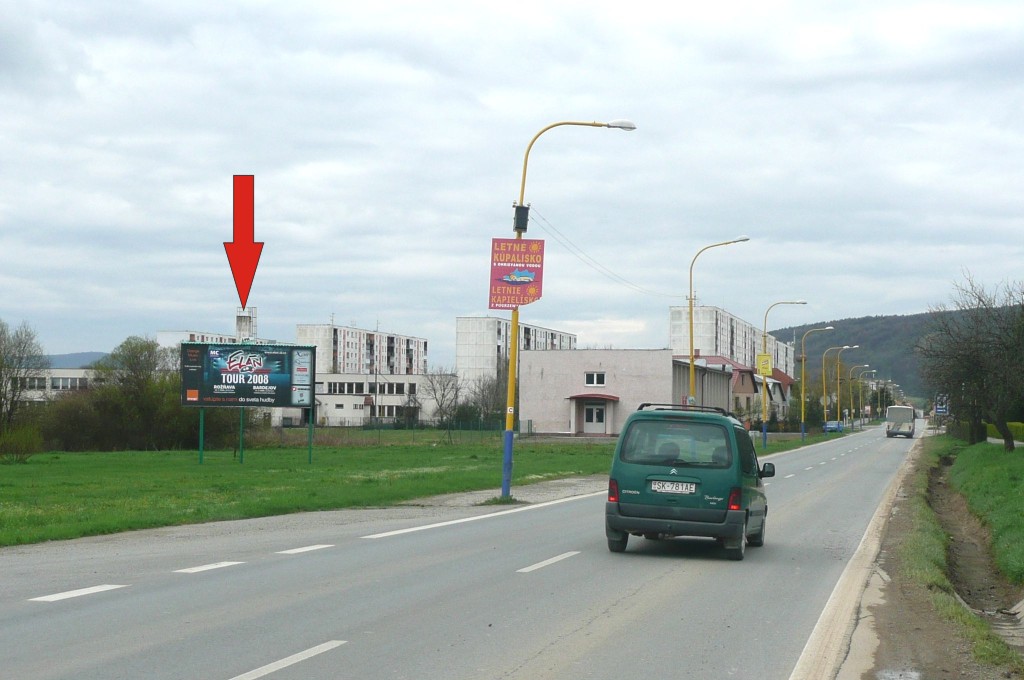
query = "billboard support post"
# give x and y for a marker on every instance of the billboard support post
(241, 435)
(202, 432)
(310, 442)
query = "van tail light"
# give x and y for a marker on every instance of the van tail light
(734, 498)
(613, 491)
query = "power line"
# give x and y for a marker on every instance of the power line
(578, 252)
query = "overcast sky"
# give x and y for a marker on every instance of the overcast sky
(872, 151)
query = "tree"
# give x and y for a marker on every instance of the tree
(489, 395)
(443, 386)
(21, 361)
(976, 357)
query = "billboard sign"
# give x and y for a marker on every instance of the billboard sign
(517, 272)
(247, 375)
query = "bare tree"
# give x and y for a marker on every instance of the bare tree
(975, 355)
(489, 395)
(21, 361)
(443, 386)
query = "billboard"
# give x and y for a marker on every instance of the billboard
(517, 272)
(247, 375)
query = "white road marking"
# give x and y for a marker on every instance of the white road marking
(308, 548)
(206, 567)
(808, 468)
(789, 476)
(75, 593)
(523, 508)
(545, 563)
(289, 661)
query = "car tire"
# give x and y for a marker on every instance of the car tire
(736, 554)
(757, 540)
(617, 540)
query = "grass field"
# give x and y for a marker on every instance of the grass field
(65, 495)
(69, 495)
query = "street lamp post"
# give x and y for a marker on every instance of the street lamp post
(764, 378)
(849, 387)
(824, 389)
(839, 386)
(522, 218)
(860, 376)
(803, 367)
(693, 373)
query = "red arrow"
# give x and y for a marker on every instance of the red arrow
(243, 252)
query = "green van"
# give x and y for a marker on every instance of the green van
(686, 471)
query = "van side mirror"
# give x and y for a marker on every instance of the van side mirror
(768, 470)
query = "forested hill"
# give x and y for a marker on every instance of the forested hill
(886, 344)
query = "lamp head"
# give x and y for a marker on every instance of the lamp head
(621, 124)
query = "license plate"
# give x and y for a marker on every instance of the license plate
(658, 486)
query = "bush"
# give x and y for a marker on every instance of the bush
(1016, 428)
(19, 444)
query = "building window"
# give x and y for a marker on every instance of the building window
(595, 379)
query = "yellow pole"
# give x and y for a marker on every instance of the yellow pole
(519, 226)
(849, 387)
(693, 373)
(860, 384)
(839, 388)
(803, 384)
(765, 393)
(824, 389)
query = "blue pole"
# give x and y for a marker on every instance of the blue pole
(506, 466)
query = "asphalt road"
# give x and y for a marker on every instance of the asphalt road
(527, 592)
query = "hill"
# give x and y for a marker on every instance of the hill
(886, 344)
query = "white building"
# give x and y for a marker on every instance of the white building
(716, 332)
(593, 391)
(482, 344)
(343, 349)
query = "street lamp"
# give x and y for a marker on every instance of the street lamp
(803, 367)
(522, 218)
(693, 373)
(849, 387)
(824, 389)
(839, 388)
(859, 376)
(765, 368)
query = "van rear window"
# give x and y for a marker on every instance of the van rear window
(676, 443)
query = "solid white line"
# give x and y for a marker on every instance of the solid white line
(541, 565)
(308, 548)
(75, 593)
(487, 516)
(206, 567)
(289, 661)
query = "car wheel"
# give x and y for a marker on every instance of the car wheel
(617, 540)
(737, 553)
(757, 540)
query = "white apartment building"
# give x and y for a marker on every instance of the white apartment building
(343, 349)
(482, 344)
(716, 332)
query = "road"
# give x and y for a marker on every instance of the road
(528, 592)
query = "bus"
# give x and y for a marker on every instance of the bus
(899, 421)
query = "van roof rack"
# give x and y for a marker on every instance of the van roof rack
(684, 407)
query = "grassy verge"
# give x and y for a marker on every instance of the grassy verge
(923, 554)
(59, 496)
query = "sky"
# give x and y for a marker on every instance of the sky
(873, 153)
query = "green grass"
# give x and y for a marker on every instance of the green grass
(990, 479)
(65, 495)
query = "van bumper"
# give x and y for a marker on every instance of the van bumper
(729, 528)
